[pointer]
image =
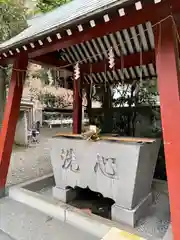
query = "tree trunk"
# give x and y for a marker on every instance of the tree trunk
(2, 94)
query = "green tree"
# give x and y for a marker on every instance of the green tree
(133, 96)
(12, 21)
(48, 5)
(12, 18)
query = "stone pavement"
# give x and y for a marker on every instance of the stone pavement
(25, 223)
(32, 162)
(4, 236)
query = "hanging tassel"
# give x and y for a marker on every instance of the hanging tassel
(111, 58)
(76, 71)
(77, 76)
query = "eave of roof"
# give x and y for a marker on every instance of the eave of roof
(66, 15)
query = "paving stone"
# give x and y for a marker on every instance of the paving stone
(25, 223)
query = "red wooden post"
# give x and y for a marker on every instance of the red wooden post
(77, 106)
(169, 89)
(11, 114)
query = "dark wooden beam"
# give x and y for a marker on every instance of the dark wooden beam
(120, 62)
(175, 4)
(49, 60)
(150, 12)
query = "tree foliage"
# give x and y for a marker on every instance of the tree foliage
(48, 5)
(12, 21)
(41, 74)
(136, 94)
(133, 96)
(12, 18)
(50, 100)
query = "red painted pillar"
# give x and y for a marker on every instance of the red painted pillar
(169, 89)
(77, 106)
(11, 114)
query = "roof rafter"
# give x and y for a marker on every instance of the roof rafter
(49, 60)
(128, 61)
(132, 18)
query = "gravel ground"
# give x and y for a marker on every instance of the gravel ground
(32, 162)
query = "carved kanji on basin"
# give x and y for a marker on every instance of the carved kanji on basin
(107, 166)
(69, 160)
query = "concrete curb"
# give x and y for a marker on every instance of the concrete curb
(62, 212)
(35, 184)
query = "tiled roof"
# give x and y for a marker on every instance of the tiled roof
(60, 17)
(135, 39)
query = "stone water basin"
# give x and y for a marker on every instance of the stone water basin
(119, 168)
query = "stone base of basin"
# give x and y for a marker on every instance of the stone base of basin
(131, 216)
(64, 195)
(118, 213)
